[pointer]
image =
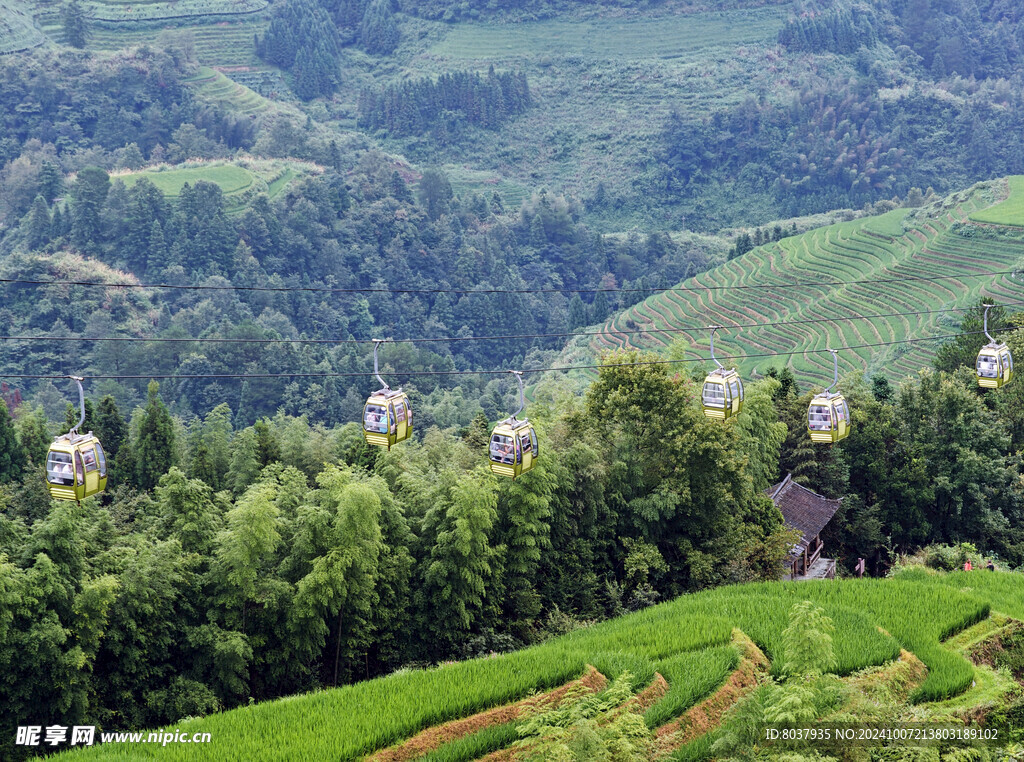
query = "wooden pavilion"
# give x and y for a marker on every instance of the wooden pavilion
(809, 513)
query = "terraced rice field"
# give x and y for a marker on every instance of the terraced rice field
(752, 289)
(662, 37)
(223, 43)
(153, 10)
(603, 88)
(18, 31)
(693, 643)
(217, 88)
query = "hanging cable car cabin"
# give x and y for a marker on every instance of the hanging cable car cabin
(387, 417)
(722, 395)
(828, 418)
(76, 466)
(995, 362)
(513, 447)
(828, 415)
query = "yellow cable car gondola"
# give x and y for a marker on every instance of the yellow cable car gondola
(828, 416)
(387, 417)
(513, 449)
(995, 362)
(76, 466)
(722, 396)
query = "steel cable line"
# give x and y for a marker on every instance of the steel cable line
(651, 289)
(611, 332)
(485, 372)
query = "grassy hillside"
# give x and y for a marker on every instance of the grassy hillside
(690, 641)
(900, 244)
(239, 180)
(602, 88)
(18, 31)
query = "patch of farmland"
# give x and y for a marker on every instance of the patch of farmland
(914, 263)
(241, 181)
(230, 178)
(686, 640)
(154, 10)
(222, 43)
(656, 37)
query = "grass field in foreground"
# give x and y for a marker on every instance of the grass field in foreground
(686, 639)
(929, 266)
(1010, 211)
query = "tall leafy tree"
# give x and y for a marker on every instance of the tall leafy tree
(188, 511)
(338, 592)
(379, 31)
(12, 455)
(73, 21)
(458, 567)
(153, 453)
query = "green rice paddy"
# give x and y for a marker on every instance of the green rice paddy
(687, 640)
(916, 266)
(18, 30)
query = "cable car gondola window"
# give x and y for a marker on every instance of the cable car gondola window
(399, 412)
(842, 413)
(79, 471)
(735, 389)
(524, 440)
(89, 459)
(391, 417)
(820, 418)
(55, 468)
(533, 438)
(988, 366)
(714, 395)
(102, 459)
(376, 419)
(501, 449)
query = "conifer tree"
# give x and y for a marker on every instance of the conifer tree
(379, 32)
(111, 428)
(37, 233)
(73, 21)
(157, 258)
(153, 452)
(34, 435)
